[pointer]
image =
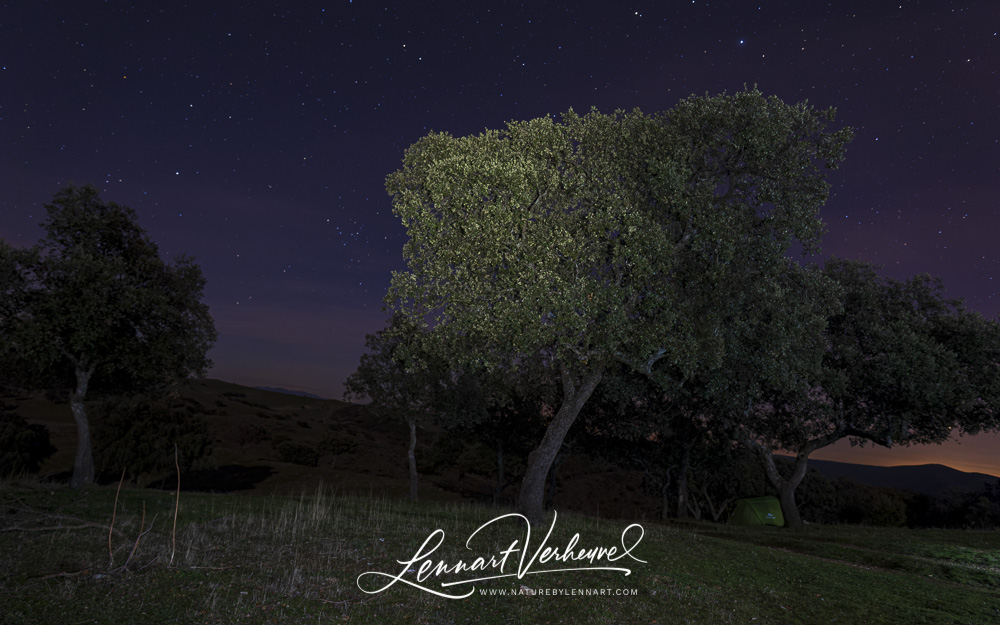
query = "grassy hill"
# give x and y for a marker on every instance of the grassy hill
(102, 557)
(364, 454)
(290, 543)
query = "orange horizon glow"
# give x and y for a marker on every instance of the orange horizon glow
(972, 454)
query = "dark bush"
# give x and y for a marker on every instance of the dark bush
(336, 445)
(23, 447)
(139, 434)
(296, 453)
(250, 433)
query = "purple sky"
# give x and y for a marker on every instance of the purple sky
(257, 138)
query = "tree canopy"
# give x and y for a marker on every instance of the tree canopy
(898, 363)
(92, 309)
(583, 239)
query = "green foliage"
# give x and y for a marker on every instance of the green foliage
(850, 502)
(499, 411)
(403, 380)
(905, 363)
(894, 363)
(902, 364)
(628, 237)
(23, 446)
(138, 434)
(582, 236)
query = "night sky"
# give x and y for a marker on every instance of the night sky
(257, 136)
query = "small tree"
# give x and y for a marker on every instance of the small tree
(93, 309)
(402, 381)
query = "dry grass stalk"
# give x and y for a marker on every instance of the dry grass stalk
(111, 554)
(177, 504)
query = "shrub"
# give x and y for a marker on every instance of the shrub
(139, 434)
(333, 444)
(296, 453)
(250, 433)
(23, 447)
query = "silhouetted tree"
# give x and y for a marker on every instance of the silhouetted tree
(402, 380)
(92, 309)
(900, 364)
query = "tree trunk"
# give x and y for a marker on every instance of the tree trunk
(83, 464)
(715, 511)
(413, 459)
(665, 504)
(665, 494)
(682, 475)
(499, 488)
(530, 498)
(550, 497)
(786, 486)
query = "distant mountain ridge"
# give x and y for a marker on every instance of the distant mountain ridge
(928, 479)
(278, 389)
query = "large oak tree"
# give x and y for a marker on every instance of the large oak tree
(92, 308)
(578, 239)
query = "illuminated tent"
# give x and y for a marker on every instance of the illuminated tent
(757, 511)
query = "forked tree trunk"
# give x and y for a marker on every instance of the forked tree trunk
(83, 464)
(411, 454)
(786, 486)
(530, 500)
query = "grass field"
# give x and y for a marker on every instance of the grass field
(271, 559)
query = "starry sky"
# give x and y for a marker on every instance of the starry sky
(256, 136)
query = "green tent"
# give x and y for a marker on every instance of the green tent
(757, 511)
